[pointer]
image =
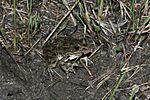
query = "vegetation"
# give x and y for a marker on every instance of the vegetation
(118, 28)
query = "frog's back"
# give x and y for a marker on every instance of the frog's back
(60, 46)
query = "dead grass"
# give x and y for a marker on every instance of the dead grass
(116, 32)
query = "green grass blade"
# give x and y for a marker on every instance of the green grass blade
(117, 86)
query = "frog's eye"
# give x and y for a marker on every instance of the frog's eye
(76, 47)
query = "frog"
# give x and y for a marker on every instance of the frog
(66, 52)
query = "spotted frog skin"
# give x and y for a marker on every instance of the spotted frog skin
(60, 49)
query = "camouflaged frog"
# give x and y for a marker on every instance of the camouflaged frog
(65, 52)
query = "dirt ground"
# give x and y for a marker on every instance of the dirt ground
(59, 71)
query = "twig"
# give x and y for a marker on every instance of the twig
(53, 34)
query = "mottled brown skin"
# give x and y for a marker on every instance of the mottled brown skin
(62, 46)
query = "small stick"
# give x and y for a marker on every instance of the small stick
(53, 34)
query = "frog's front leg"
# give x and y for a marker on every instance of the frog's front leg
(86, 60)
(67, 67)
(85, 65)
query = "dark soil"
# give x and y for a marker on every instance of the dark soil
(41, 75)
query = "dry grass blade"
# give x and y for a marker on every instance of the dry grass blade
(72, 17)
(33, 46)
(104, 79)
(114, 31)
(86, 67)
(96, 50)
(146, 7)
(53, 34)
(75, 49)
(136, 69)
